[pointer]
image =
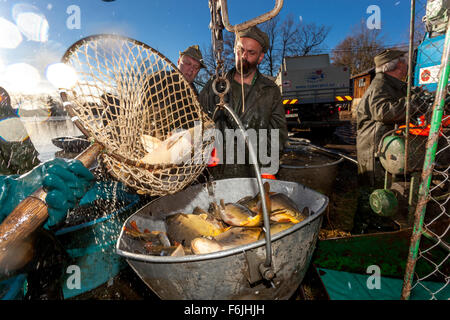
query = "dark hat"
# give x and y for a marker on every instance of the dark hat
(387, 56)
(195, 53)
(256, 34)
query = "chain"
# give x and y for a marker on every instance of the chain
(220, 85)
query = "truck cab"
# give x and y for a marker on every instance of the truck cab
(313, 90)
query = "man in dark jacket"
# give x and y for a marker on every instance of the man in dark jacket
(255, 98)
(381, 108)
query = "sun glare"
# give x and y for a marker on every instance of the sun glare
(22, 76)
(61, 76)
(10, 36)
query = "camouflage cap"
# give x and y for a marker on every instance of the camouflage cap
(195, 53)
(256, 34)
(387, 56)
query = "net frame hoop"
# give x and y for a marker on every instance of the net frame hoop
(68, 105)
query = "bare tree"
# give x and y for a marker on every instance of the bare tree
(271, 61)
(288, 35)
(358, 49)
(307, 38)
(285, 38)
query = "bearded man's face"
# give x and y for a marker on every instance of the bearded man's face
(248, 54)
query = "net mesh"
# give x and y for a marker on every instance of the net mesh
(432, 268)
(134, 102)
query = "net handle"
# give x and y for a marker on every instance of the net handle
(29, 215)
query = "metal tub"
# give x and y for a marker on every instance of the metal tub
(226, 275)
(313, 168)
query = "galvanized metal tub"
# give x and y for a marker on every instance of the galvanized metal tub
(313, 168)
(225, 275)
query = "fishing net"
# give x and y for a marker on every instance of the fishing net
(430, 244)
(134, 102)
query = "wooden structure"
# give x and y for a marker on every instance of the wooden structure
(360, 84)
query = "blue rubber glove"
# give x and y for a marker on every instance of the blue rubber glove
(66, 181)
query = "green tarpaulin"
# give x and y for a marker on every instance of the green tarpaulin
(342, 285)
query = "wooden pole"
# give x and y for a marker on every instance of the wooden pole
(29, 215)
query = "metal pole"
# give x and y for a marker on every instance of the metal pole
(268, 273)
(410, 68)
(428, 166)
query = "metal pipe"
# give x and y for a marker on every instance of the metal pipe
(323, 149)
(408, 94)
(252, 154)
(249, 23)
(428, 166)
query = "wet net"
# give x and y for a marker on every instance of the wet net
(135, 103)
(428, 265)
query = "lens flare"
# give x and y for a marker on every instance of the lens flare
(22, 76)
(10, 36)
(31, 22)
(61, 75)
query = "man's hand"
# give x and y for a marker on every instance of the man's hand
(65, 183)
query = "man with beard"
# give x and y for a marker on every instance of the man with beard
(255, 99)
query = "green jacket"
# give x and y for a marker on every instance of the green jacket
(382, 106)
(16, 157)
(263, 110)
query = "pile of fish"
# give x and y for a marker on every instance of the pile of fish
(223, 226)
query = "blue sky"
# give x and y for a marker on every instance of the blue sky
(172, 25)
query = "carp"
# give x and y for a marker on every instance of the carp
(247, 211)
(182, 228)
(283, 209)
(176, 149)
(231, 238)
(238, 215)
(254, 203)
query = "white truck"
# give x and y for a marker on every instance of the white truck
(313, 91)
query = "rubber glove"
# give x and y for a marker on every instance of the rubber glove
(65, 181)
